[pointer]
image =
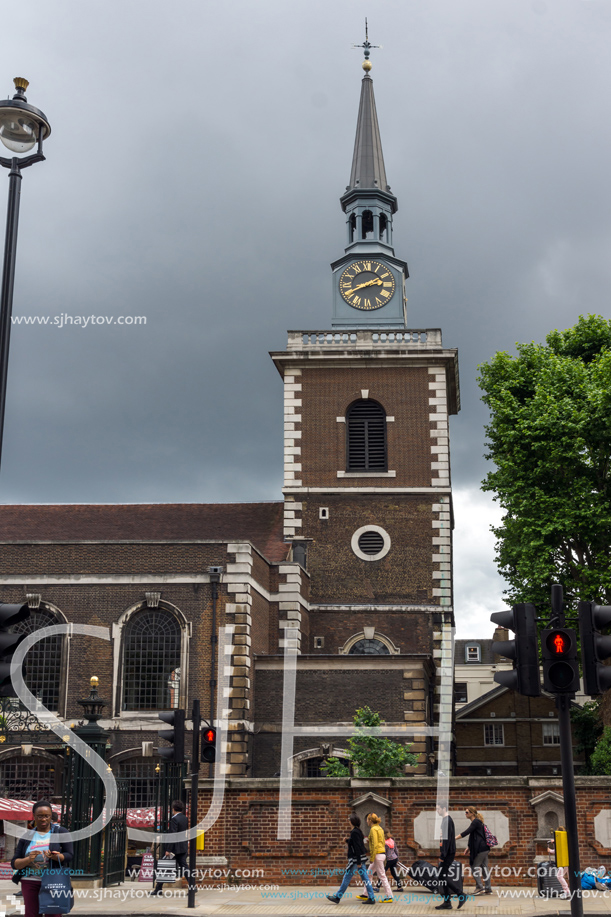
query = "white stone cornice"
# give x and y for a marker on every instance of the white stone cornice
(128, 579)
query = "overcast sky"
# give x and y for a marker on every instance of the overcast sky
(198, 153)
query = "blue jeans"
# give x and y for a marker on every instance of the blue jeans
(362, 871)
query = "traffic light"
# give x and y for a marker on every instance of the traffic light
(524, 650)
(594, 647)
(9, 615)
(560, 665)
(209, 744)
(176, 736)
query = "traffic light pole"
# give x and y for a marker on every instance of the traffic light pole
(563, 703)
(196, 716)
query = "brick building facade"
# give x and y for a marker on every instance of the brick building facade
(351, 573)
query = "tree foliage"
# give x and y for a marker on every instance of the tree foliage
(371, 755)
(550, 440)
(587, 729)
(601, 758)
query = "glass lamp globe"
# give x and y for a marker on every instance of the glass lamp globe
(18, 133)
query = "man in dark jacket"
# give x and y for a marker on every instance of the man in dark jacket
(447, 854)
(178, 822)
(357, 858)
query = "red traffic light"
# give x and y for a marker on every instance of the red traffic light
(209, 745)
(559, 642)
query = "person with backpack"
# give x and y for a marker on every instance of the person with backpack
(356, 863)
(478, 850)
(392, 861)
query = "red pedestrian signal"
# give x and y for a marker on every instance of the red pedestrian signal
(559, 642)
(560, 665)
(209, 745)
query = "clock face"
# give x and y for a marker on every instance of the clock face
(367, 285)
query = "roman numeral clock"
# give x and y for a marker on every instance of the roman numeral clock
(367, 285)
(369, 293)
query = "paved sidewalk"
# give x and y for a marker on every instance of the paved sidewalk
(133, 898)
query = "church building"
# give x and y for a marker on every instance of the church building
(351, 572)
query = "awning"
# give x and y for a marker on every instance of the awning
(21, 810)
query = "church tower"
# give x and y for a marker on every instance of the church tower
(367, 487)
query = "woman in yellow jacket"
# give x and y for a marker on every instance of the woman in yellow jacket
(377, 854)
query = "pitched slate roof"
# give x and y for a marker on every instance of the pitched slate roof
(259, 523)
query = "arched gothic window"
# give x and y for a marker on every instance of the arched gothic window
(366, 436)
(43, 662)
(151, 661)
(369, 648)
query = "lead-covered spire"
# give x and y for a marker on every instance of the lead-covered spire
(368, 160)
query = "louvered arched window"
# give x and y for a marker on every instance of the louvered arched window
(366, 436)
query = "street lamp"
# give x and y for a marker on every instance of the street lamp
(21, 127)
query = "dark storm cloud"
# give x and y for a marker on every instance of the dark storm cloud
(193, 175)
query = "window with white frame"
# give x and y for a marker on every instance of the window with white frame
(493, 734)
(473, 652)
(551, 733)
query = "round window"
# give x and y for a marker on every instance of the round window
(371, 542)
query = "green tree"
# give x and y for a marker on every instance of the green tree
(371, 755)
(550, 440)
(587, 729)
(601, 759)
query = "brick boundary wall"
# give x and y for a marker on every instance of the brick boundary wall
(245, 833)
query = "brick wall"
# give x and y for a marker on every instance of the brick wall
(327, 393)
(246, 831)
(411, 632)
(403, 576)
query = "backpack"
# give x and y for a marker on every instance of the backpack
(491, 840)
(392, 853)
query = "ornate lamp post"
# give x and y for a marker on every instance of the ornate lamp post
(22, 127)
(87, 790)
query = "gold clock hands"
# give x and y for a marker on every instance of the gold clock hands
(368, 283)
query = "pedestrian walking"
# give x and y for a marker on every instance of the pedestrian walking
(447, 855)
(179, 849)
(478, 851)
(356, 863)
(392, 861)
(37, 851)
(377, 855)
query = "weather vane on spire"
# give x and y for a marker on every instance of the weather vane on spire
(367, 46)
